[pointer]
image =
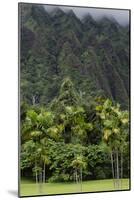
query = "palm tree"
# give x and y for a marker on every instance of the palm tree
(78, 165)
(45, 158)
(113, 122)
(38, 125)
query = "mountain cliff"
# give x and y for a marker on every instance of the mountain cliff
(94, 54)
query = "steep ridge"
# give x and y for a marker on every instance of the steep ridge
(94, 54)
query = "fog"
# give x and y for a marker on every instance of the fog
(121, 16)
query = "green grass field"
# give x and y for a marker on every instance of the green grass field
(28, 188)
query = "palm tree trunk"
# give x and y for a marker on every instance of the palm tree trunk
(121, 168)
(81, 177)
(40, 181)
(40, 177)
(77, 180)
(44, 173)
(113, 173)
(36, 178)
(115, 168)
(117, 165)
(36, 174)
(76, 177)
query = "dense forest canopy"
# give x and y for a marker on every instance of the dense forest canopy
(71, 135)
(94, 54)
(74, 86)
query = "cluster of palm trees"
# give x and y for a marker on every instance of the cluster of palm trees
(115, 131)
(67, 122)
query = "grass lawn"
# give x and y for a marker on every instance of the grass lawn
(28, 188)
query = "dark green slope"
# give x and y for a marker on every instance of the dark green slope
(95, 55)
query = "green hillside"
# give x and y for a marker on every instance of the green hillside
(74, 118)
(56, 45)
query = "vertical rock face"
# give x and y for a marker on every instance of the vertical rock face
(94, 54)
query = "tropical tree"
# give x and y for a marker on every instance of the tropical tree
(113, 123)
(75, 117)
(62, 142)
(78, 165)
(38, 128)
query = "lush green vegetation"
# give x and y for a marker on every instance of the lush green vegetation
(59, 142)
(31, 188)
(74, 103)
(94, 54)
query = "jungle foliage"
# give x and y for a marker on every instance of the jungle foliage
(74, 82)
(70, 141)
(94, 54)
